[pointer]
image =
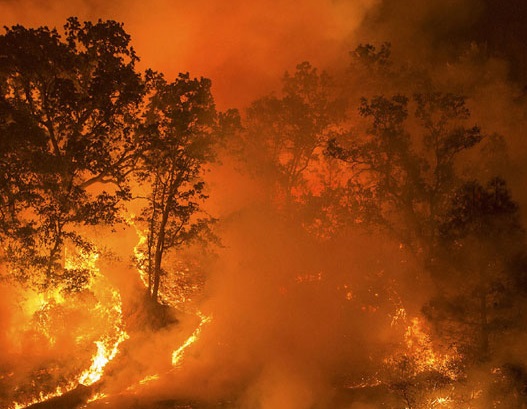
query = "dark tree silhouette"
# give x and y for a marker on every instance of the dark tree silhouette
(401, 177)
(480, 239)
(181, 127)
(285, 135)
(67, 117)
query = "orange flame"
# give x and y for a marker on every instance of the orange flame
(44, 397)
(179, 354)
(106, 351)
(108, 306)
(139, 254)
(108, 345)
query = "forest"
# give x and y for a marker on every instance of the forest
(352, 239)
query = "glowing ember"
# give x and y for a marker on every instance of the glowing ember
(399, 316)
(441, 401)
(148, 379)
(140, 256)
(97, 396)
(418, 341)
(419, 351)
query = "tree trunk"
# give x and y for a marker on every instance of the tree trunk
(54, 251)
(160, 247)
(151, 234)
(157, 275)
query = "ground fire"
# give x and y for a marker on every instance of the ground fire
(335, 219)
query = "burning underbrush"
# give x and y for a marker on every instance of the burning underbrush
(68, 348)
(290, 336)
(61, 339)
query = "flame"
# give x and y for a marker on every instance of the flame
(140, 255)
(418, 341)
(39, 301)
(148, 379)
(108, 345)
(419, 348)
(107, 349)
(399, 316)
(108, 308)
(441, 401)
(97, 396)
(134, 388)
(179, 354)
(44, 397)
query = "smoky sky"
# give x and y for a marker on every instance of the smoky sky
(442, 29)
(245, 47)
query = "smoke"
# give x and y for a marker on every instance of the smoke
(243, 47)
(285, 327)
(283, 330)
(273, 336)
(473, 48)
(7, 318)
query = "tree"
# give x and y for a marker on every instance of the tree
(404, 179)
(480, 239)
(285, 135)
(401, 176)
(67, 107)
(442, 115)
(179, 132)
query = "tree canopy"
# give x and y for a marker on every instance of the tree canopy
(79, 126)
(68, 108)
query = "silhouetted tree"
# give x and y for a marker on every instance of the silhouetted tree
(480, 238)
(180, 129)
(400, 177)
(285, 135)
(67, 107)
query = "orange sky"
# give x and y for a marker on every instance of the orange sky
(244, 47)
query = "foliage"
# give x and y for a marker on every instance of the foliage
(285, 135)
(480, 239)
(67, 107)
(401, 174)
(179, 132)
